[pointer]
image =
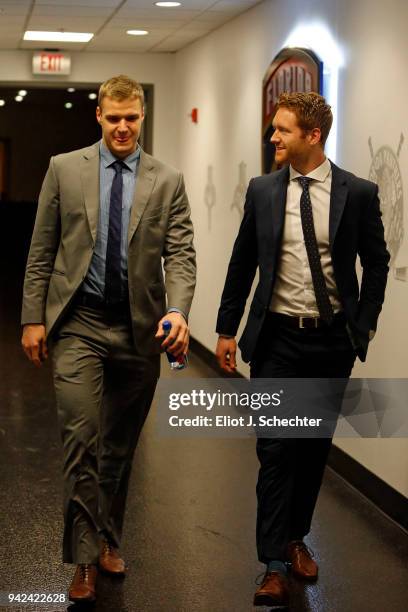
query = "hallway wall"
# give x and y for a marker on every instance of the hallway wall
(222, 76)
(94, 68)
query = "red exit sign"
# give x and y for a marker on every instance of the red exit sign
(51, 63)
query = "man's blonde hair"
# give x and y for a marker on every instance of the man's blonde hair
(311, 110)
(120, 88)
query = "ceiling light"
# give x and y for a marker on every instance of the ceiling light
(71, 89)
(22, 92)
(137, 32)
(68, 104)
(2, 102)
(167, 4)
(19, 98)
(58, 36)
(92, 96)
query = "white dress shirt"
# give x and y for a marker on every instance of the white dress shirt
(293, 292)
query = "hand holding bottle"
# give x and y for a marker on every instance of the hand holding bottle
(176, 337)
(176, 363)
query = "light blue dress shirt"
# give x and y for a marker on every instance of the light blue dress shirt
(94, 282)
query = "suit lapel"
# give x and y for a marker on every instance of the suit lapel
(146, 176)
(277, 201)
(338, 197)
(89, 170)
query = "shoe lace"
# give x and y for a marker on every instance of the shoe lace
(107, 547)
(85, 571)
(260, 579)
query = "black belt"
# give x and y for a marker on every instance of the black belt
(93, 301)
(306, 322)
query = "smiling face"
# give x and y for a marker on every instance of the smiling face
(121, 122)
(293, 145)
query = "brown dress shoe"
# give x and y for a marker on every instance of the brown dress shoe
(303, 566)
(110, 561)
(274, 591)
(82, 589)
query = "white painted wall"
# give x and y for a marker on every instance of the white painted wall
(89, 68)
(221, 75)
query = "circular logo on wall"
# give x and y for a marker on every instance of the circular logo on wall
(386, 172)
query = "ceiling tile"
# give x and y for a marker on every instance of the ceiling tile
(9, 10)
(214, 17)
(176, 41)
(129, 24)
(69, 9)
(12, 21)
(234, 6)
(184, 15)
(102, 3)
(32, 44)
(121, 40)
(4, 3)
(116, 47)
(68, 23)
(13, 33)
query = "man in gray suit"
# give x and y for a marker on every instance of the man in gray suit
(108, 215)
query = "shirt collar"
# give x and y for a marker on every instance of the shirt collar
(108, 159)
(319, 174)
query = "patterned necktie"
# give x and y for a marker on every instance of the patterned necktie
(113, 267)
(319, 284)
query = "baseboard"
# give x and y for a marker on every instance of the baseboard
(387, 499)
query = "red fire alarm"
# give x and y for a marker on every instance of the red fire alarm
(194, 115)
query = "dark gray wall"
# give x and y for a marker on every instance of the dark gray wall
(39, 127)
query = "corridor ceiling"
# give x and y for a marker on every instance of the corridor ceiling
(170, 29)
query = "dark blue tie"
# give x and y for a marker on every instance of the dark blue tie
(309, 234)
(113, 268)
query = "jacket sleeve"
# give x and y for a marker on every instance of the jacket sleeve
(241, 272)
(374, 259)
(43, 249)
(179, 253)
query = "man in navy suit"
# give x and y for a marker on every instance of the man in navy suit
(303, 227)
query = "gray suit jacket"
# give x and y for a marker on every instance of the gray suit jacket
(65, 232)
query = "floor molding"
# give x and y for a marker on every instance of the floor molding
(385, 497)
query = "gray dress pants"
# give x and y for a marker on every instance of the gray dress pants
(104, 389)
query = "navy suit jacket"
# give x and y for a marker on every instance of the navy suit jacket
(355, 228)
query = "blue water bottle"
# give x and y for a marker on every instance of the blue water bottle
(176, 363)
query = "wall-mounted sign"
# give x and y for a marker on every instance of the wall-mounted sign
(292, 70)
(51, 63)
